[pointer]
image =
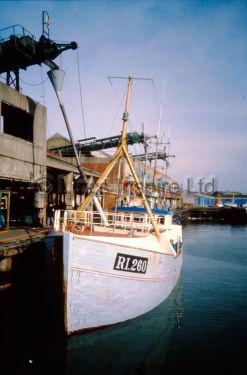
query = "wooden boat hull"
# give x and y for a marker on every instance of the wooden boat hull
(106, 283)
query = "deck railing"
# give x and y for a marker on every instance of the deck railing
(66, 219)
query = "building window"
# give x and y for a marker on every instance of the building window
(16, 122)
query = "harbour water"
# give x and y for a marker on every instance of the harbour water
(201, 327)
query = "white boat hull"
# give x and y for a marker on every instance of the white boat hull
(106, 283)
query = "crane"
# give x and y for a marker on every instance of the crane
(20, 49)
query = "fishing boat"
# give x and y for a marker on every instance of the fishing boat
(119, 264)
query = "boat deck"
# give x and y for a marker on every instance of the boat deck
(107, 232)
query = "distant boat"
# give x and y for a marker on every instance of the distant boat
(227, 203)
(231, 203)
(120, 264)
(218, 203)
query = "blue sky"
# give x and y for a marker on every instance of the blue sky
(195, 50)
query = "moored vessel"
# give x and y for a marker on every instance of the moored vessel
(118, 264)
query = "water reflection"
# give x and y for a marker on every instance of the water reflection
(32, 339)
(139, 346)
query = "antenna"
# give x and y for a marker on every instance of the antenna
(45, 24)
(158, 134)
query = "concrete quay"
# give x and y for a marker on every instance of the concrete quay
(13, 242)
(231, 215)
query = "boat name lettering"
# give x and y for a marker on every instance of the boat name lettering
(130, 263)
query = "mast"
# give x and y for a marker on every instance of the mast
(122, 151)
(115, 157)
(158, 134)
(145, 165)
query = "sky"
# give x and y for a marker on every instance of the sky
(193, 52)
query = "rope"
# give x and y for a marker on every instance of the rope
(24, 235)
(120, 104)
(82, 111)
(35, 84)
(115, 116)
(44, 99)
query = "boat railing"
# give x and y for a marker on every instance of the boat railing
(90, 220)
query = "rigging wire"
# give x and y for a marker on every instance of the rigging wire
(43, 86)
(79, 78)
(120, 105)
(61, 61)
(131, 126)
(165, 135)
(27, 83)
(115, 92)
(44, 97)
(153, 85)
(35, 84)
(156, 97)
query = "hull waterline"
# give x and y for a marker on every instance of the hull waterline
(107, 283)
